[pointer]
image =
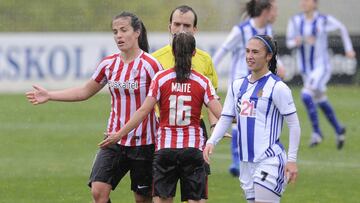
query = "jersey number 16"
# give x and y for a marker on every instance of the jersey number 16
(179, 114)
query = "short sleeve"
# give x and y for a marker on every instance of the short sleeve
(229, 106)
(210, 93)
(283, 99)
(154, 90)
(99, 75)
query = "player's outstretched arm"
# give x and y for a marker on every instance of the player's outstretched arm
(41, 95)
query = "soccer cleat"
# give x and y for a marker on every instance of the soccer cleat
(234, 170)
(340, 139)
(315, 140)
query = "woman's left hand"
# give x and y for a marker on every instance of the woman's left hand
(291, 172)
(110, 139)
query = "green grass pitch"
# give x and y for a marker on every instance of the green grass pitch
(46, 153)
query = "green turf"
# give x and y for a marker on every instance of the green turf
(46, 153)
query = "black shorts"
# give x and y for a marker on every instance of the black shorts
(186, 164)
(203, 126)
(112, 163)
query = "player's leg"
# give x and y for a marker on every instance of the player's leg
(269, 179)
(141, 172)
(329, 112)
(264, 195)
(247, 171)
(165, 175)
(234, 167)
(193, 178)
(307, 97)
(106, 174)
(308, 93)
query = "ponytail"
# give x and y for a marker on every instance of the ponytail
(254, 8)
(183, 47)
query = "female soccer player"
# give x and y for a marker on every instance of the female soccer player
(180, 93)
(307, 32)
(128, 75)
(260, 102)
(261, 15)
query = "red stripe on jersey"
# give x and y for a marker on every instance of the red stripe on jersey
(197, 138)
(173, 138)
(117, 94)
(101, 75)
(112, 116)
(161, 137)
(186, 137)
(152, 62)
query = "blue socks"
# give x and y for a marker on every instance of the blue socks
(330, 115)
(312, 112)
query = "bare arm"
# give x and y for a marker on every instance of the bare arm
(41, 95)
(135, 120)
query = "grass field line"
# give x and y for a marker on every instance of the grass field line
(323, 163)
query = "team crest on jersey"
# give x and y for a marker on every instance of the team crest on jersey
(259, 93)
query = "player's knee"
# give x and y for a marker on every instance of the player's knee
(306, 97)
(142, 199)
(100, 195)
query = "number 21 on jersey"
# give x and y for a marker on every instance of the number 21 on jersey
(179, 113)
(246, 108)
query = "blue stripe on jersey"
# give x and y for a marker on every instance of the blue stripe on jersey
(314, 32)
(281, 175)
(242, 91)
(241, 27)
(302, 47)
(251, 121)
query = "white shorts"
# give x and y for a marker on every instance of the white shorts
(317, 79)
(268, 173)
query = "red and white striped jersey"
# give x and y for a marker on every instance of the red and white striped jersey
(180, 108)
(129, 84)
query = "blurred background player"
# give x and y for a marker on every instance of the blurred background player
(260, 102)
(180, 92)
(128, 75)
(261, 14)
(307, 32)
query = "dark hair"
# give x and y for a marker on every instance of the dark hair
(184, 9)
(183, 47)
(255, 7)
(271, 48)
(137, 25)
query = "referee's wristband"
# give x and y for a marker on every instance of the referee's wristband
(212, 126)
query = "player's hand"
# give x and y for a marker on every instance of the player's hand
(350, 54)
(207, 152)
(109, 140)
(310, 40)
(298, 41)
(291, 172)
(38, 96)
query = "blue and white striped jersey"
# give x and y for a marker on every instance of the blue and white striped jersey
(259, 109)
(236, 43)
(314, 56)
